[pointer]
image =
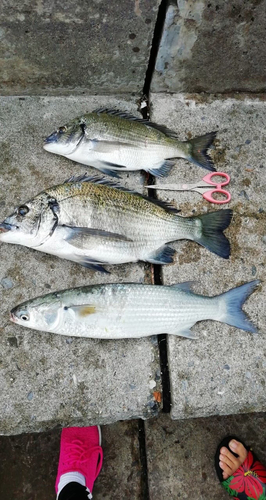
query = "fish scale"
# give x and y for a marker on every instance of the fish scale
(119, 310)
(113, 141)
(93, 223)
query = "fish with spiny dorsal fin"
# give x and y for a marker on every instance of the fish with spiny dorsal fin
(95, 224)
(113, 141)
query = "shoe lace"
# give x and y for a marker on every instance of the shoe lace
(80, 454)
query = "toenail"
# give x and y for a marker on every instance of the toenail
(233, 444)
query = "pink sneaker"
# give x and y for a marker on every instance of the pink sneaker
(80, 451)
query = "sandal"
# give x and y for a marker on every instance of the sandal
(249, 481)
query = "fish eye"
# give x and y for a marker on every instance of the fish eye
(24, 317)
(61, 130)
(23, 210)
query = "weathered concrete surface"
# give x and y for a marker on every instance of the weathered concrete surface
(180, 455)
(179, 458)
(66, 47)
(28, 464)
(212, 46)
(223, 371)
(48, 380)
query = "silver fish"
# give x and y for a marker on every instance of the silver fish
(131, 310)
(113, 141)
(93, 223)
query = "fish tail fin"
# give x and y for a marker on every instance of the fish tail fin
(198, 150)
(234, 300)
(212, 226)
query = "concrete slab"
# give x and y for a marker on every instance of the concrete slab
(212, 47)
(50, 380)
(224, 370)
(56, 48)
(179, 458)
(29, 464)
(180, 455)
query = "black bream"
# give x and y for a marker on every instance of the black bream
(91, 222)
(113, 141)
(116, 311)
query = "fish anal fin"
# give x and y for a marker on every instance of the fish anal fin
(163, 168)
(163, 255)
(93, 267)
(91, 263)
(187, 333)
(108, 170)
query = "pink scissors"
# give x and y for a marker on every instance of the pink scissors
(203, 187)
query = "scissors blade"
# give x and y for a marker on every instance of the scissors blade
(173, 187)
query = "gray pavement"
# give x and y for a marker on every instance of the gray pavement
(212, 47)
(180, 454)
(48, 380)
(180, 459)
(75, 47)
(29, 464)
(223, 360)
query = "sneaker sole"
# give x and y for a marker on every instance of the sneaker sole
(100, 435)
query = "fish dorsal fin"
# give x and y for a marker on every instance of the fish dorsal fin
(120, 114)
(186, 286)
(95, 179)
(129, 116)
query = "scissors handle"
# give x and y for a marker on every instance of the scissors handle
(209, 196)
(208, 179)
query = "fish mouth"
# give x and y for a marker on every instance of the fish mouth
(13, 317)
(5, 227)
(51, 138)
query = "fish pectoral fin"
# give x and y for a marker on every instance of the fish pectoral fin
(81, 233)
(163, 255)
(185, 333)
(82, 310)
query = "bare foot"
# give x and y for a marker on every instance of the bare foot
(228, 462)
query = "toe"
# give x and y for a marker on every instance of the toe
(227, 470)
(227, 459)
(239, 449)
(227, 456)
(228, 462)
